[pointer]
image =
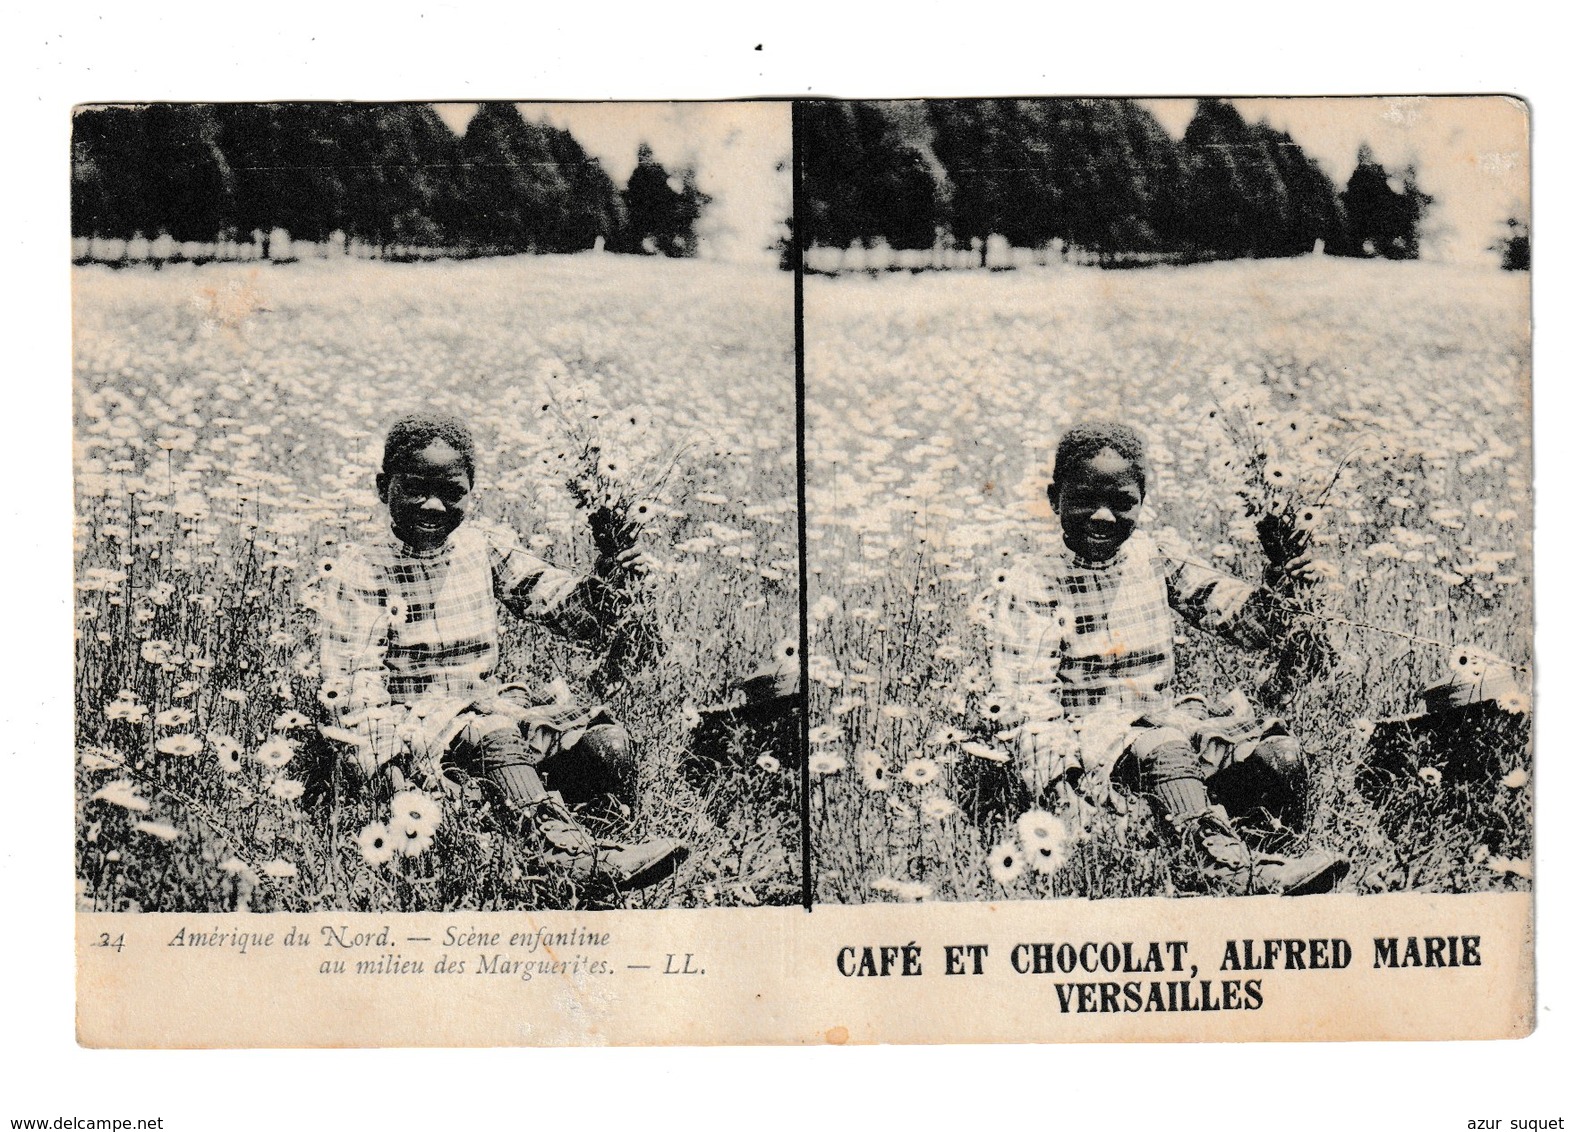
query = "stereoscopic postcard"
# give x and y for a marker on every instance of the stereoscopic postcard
(1034, 570)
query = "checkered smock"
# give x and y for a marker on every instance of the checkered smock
(402, 626)
(1072, 637)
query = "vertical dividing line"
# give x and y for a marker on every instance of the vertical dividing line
(807, 867)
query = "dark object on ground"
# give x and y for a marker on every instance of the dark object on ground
(763, 730)
(1466, 744)
(1446, 771)
(737, 737)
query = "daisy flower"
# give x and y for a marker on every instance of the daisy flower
(123, 793)
(938, 808)
(286, 789)
(126, 711)
(410, 839)
(228, 752)
(415, 810)
(1006, 863)
(921, 772)
(173, 717)
(872, 769)
(910, 890)
(1040, 827)
(826, 762)
(100, 758)
(998, 709)
(1046, 839)
(276, 753)
(181, 746)
(1516, 703)
(162, 830)
(375, 843)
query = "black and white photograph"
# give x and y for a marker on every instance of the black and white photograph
(436, 537)
(1169, 508)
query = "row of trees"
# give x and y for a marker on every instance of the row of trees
(379, 173)
(1098, 174)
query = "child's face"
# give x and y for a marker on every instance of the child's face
(427, 497)
(1098, 505)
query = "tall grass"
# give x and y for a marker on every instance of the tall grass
(1391, 399)
(229, 423)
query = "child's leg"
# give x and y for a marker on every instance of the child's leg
(1172, 775)
(601, 763)
(1264, 777)
(1171, 772)
(491, 746)
(1281, 757)
(494, 746)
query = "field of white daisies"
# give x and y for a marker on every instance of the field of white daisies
(1375, 413)
(228, 425)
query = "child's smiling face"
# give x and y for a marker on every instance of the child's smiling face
(427, 496)
(1098, 504)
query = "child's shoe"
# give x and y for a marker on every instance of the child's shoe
(1221, 860)
(1314, 871)
(630, 867)
(568, 845)
(565, 843)
(1224, 865)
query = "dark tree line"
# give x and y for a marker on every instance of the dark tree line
(1096, 174)
(1514, 246)
(380, 174)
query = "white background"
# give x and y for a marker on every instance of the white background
(56, 57)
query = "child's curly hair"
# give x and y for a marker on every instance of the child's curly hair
(1087, 439)
(413, 432)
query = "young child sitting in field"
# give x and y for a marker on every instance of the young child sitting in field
(410, 652)
(1084, 637)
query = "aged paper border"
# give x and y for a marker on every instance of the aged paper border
(1018, 972)
(1436, 1081)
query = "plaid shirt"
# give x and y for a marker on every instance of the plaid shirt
(1071, 636)
(402, 625)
